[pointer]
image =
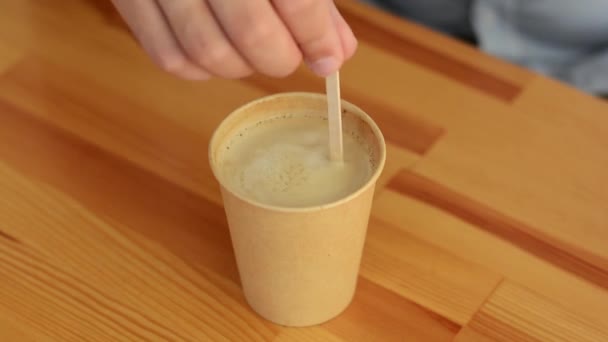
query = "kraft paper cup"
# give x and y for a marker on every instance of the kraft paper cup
(298, 266)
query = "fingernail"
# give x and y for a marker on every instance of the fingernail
(324, 66)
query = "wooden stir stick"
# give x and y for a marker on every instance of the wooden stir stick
(334, 116)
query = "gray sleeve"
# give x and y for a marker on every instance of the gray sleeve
(590, 73)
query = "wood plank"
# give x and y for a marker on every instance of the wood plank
(184, 225)
(557, 104)
(308, 334)
(423, 273)
(58, 154)
(417, 91)
(477, 246)
(389, 317)
(469, 335)
(85, 277)
(109, 119)
(484, 217)
(519, 161)
(178, 224)
(378, 28)
(94, 177)
(514, 313)
(396, 160)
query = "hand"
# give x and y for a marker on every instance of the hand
(200, 39)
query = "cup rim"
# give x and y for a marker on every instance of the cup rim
(357, 111)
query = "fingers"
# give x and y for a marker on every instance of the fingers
(195, 39)
(312, 26)
(201, 37)
(150, 28)
(347, 38)
(259, 34)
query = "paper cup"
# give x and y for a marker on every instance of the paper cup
(298, 266)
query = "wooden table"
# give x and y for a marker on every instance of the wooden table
(490, 221)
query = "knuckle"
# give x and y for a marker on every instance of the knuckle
(163, 55)
(252, 37)
(170, 63)
(221, 59)
(192, 39)
(213, 55)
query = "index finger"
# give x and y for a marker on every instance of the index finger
(311, 25)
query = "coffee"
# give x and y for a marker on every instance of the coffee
(284, 161)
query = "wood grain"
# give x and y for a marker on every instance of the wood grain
(9, 332)
(440, 282)
(92, 176)
(469, 335)
(426, 57)
(403, 320)
(110, 120)
(307, 335)
(514, 313)
(477, 246)
(495, 165)
(82, 297)
(489, 222)
(8, 237)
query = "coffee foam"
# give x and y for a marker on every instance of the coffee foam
(283, 161)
